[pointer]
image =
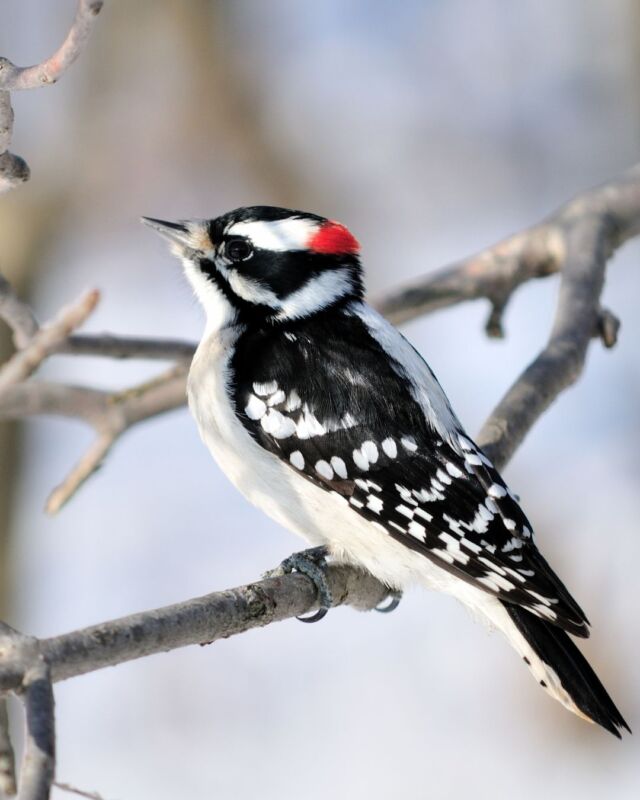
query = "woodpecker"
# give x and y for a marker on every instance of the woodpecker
(324, 416)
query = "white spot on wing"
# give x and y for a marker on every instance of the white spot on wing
(417, 530)
(276, 398)
(293, 401)
(360, 460)
(255, 408)
(279, 426)
(390, 448)
(297, 459)
(264, 389)
(324, 470)
(339, 467)
(407, 512)
(370, 451)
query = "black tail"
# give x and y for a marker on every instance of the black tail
(556, 651)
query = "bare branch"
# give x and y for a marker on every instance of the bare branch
(47, 340)
(202, 620)
(13, 169)
(591, 227)
(110, 346)
(67, 787)
(493, 274)
(109, 414)
(16, 78)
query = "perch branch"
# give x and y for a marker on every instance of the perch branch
(202, 620)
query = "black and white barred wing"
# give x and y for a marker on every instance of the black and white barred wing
(356, 432)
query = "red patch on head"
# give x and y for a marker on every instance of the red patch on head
(332, 238)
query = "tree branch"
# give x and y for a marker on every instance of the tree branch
(576, 241)
(13, 169)
(46, 341)
(202, 620)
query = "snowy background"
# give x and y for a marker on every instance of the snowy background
(431, 129)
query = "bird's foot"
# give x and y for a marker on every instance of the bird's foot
(313, 564)
(393, 601)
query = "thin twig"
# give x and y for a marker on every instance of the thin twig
(109, 346)
(592, 227)
(67, 787)
(124, 409)
(13, 169)
(46, 340)
(14, 78)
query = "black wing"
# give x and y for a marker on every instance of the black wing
(325, 398)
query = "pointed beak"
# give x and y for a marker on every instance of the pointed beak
(173, 231)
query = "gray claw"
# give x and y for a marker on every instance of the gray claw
(319, 614)
(394, 601)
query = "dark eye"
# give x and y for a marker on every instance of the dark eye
(238, 250)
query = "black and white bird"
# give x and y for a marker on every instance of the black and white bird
(325, 417)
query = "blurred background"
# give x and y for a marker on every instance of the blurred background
(431, 129)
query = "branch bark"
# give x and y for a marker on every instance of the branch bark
(202, 620)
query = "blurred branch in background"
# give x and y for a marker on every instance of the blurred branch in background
(33, 347)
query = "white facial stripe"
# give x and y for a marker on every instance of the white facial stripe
(279, 235)
(317, 293)
(250, 290)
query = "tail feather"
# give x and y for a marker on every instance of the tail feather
(562, 670)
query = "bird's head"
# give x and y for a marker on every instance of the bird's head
(265, 265)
